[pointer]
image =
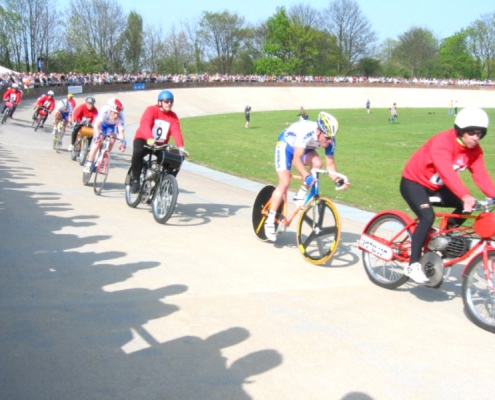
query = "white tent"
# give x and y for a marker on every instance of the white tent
(4, 70)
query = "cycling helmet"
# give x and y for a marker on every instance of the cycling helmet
(70, 95)
(166, 95)
(50, 93)
(15, 86)
(328, 124)
(471, 119)
(90, 100)
(115, 105)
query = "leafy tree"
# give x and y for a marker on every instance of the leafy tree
(368, 66)
(417, 50)
(223, 34)
(454, 59)
(481, 42)
(133, 42)
(355, 38)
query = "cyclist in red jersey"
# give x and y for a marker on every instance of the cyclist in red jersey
(84, 113)
(433, 171)
(14, 95)
(47, 101)
(157, 124)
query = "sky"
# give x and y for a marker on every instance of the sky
(388, 19)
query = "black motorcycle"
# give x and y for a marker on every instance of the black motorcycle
(157, 183)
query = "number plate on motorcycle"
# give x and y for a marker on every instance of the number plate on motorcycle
(373, 246)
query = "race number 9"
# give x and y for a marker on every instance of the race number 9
(159, 132)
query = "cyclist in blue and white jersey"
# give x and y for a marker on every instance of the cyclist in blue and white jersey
(110, 120)
(297, 145)
(63, 112)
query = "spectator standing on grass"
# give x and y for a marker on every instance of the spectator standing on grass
(247, 116)
(456, 107)
(451, 106)
(393, 113)
(368, 106)
(303, 115)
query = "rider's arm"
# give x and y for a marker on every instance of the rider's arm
(332, 167)
(298, 162)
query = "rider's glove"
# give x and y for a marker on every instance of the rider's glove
(339, 182)
(150, 142)
(309, 180)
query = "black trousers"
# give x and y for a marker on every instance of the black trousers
(417, 197)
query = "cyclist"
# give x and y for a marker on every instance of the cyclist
(46, 101)
(63, 113)
(297, 145)
(157, 124)
(70, 99)
(14, 95)
(83, 114)
(110, 119)
(433, 171)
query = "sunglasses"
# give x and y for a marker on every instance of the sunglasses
(473, 133)
(168, 101)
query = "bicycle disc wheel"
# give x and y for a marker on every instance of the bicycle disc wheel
(132, 199)
(388, 274)
(318, 231)
(83, 153)
(101, 173)
(258, 218)
(165, 198)
(479, 301)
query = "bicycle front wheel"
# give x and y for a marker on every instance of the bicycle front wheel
(165, 199)
(388, 228)
(37, 123)
(5, 115)
(101, 173)
(318, 231)
(83, 153)
(477, 292)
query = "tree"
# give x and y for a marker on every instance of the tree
(355, 38)
(454, 59)
(481, 42)
(133, 42)
(223, 34)
(98, 30)
(417, 50)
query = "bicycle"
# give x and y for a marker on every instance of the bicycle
(318, 227)
(158, 183)
(81, 146)
(386, 244)
(101, 165)
(58, 135)
(9, 107)
(41, 113)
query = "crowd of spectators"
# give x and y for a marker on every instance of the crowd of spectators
(41, 79)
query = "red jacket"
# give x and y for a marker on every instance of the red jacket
(47, 102)
(14, 95)
(159, 125)
(82, 111)
(439, 160)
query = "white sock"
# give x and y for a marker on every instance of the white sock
(301, 193)
(271, 216)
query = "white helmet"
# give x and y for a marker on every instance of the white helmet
(328, 124)
(15, 86)
(471, 119)
(50, 93)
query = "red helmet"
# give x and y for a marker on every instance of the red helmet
(115, 105)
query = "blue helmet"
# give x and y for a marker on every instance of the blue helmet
(165, 95)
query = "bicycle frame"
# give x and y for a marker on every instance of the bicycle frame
(400, 251)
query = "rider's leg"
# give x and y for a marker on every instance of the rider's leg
(92, 153)
(75, 131)
(449, 199)
(313, 160)
(418, 200)
(278, 194)
(137, 158)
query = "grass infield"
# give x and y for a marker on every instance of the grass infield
(371, 151)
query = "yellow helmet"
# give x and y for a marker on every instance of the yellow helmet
(70, 95)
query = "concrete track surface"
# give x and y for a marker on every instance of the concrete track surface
(98, 301)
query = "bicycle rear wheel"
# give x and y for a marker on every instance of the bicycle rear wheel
(258, 219)
(101, 173)
(388, 274)
(83, 153)
(318, 231)
(165, 198)
(132, 199)
(478, 299)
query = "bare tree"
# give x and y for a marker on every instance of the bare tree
(223, 34)
(192, 30)
(481, 42)
(154, 49)
(96, 27)
(304, 15)
(355, 38)
(416, 49)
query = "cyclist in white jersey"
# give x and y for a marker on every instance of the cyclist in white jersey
(297, 145)
(110, 120)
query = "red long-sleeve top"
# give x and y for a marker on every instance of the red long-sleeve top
(159, 125)
(439, 160)
(47, 102)
(82, 111)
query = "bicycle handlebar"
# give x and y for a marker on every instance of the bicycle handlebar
(480, 204)
(167, 146)
(316, 171)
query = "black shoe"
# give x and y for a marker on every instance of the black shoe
(134, 186)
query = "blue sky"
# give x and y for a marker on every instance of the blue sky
(388, 18)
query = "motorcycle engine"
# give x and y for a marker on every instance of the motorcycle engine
(451, 246)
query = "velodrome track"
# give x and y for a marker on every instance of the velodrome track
(97, 301)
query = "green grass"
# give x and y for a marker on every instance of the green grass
(370, 150)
